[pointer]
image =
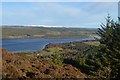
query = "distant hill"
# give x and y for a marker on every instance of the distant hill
(45, 32)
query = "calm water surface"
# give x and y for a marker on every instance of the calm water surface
(34, 44)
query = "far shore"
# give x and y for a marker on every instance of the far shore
(42, 37)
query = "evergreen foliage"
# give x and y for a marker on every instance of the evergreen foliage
(103, 61)
(109, 49)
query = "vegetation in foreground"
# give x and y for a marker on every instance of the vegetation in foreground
(87, 59)
(18, 65)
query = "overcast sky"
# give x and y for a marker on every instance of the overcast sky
(78, 14)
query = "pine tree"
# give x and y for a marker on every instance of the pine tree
(110, 46)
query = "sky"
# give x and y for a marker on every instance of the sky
(66, 14)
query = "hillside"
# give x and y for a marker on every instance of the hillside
(44, 32)
(17, 66)
(52, 62)
(65, 60)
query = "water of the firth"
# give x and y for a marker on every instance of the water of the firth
(34, 44)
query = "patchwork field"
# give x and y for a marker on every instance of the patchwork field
(38, 32)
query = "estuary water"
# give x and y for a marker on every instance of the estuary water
(34, 44)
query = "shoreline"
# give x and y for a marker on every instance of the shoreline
(48, 37)
(83, 41)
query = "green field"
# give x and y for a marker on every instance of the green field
(38, 32)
